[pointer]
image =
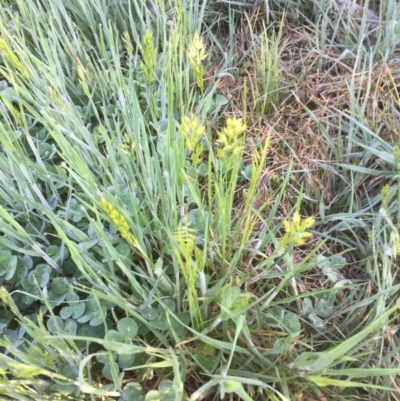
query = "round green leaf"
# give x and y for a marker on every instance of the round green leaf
(46, 151)
(126, 360)
(316, 321)
(72, 298)
(307, 305)
(71, 372)
(275, 315)
(83, 331)
(337, 261)
(323, 308)
(291, 323)
(68, 267)
(70, 327)
(166, 389)
(161, 323)
(28, 262)
(22, 268)
(169, 304)
(53, 251)
(98, 316)
(40, 275)
(106, 371)
(127, 327)
(4, 260)
(278, 348)
(124, 249)
(132, 391)
(177, 325)
(153, 395)
(55, 324)
(79, 310)
(205, 355)
(56, 300)
(149, 313)
(86, 317)
(59, 286)
(66, 312)
(44, 279)
(113, 335)
(12, 267)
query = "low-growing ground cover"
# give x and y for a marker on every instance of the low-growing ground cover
(199, 200)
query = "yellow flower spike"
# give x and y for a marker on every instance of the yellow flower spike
(286, 225)
(395, 242)
(307, 223)
(192, 130)
(127, 42)
(230, 139)
(196, 155)
(119, 221)
(149, 54)
(235, 126)
(296, 218)
(82, 80)
(196, 55)
(385, 194)
(12, 58)
(295, 230)
(185, 236)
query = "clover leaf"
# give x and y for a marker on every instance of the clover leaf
(8, 264)
(95, 312)
(127, 327)
(75, 307)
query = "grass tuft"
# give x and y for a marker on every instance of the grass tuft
(199, 200)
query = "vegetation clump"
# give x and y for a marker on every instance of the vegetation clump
(199, 200)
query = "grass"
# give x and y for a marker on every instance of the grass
(198, 200)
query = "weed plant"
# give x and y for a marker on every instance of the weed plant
(198, 200)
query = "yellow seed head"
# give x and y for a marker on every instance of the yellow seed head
(184, 235)
(295, 230)
(196, 55)
(192, 130)
(230, 139)
(119, 221)
(82, 80)
(12, 58)
(127, 42)
(149, 54)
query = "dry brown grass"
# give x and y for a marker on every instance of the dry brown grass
(311, 98)
(306, 128)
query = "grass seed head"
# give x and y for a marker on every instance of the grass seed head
(12, 58)
(196, 55)
(119, 221)
(230, 139)
(296, 230)
(149, 54)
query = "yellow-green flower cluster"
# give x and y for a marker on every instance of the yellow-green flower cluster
(184, 235)
(241, 302)
(385, 194)
(57, 99)
(196, 55)
(128, 43)
(149, 54)
(128, 147)
(119, 221)
(11, 57)
(230, 139)
(395, 242)
(82, 79)
(183, 247)
(396, 153)
(192, 130)
(296, 230)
